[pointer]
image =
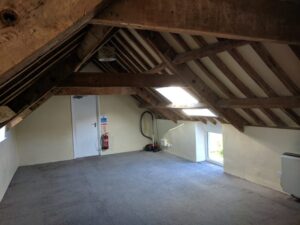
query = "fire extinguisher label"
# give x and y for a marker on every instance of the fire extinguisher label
(103, 120)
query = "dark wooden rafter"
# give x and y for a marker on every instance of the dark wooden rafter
(207, 50)
(160, 68)
(43, 89)
(136, 67)
(27, 110)
(190, 118)
(157, 69)
(96, 37)
(36, 32)
(34, 84)
(148, 98)
(32, 80)
(24, 80)
(135, 54)
(261, 82)
(202, 91)
(150, 58)
(239, 84)
(220, 85)
(268, 102)
(221, 120)
(95, 91)
(96, 79)
(211, 120)
(275, 68)
(143, 93)
(130, 55)
(142, 49)
(266, 20)
(260, 102)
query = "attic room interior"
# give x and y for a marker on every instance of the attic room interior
(149, 112)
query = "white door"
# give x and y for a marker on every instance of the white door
(85, 126)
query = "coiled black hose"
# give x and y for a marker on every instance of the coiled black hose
(141, 123)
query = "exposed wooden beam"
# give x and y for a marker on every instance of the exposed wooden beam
(40, 27)
(207, 50)
(125, 55)
(143, 50)
(95, 91)
(200, 89)
(279, 127)
(157, 68)
(149, 99)
(96, 38)
(261, 82)
(185, 117)
(39, 92)
(276, 69)
(239, 84)
(31, 74)
(265, 20)
(276, 102)
(269, 102)
(27, 110)
(133, 52)
(212, 76)
(82, 79)
(144, 93)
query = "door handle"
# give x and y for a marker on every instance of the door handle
(95, 124)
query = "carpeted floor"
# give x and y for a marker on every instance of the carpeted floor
(140, 188)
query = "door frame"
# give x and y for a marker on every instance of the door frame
(206, 149)
(97, 124)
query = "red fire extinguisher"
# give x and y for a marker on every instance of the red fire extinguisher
(104, 141)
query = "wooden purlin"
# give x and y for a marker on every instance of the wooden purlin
(239, 84)
(204, 94)
(214, 78)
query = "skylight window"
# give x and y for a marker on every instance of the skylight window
(178, 96)
(199, 112)
(2, 134)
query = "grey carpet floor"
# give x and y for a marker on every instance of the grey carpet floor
(140, 188)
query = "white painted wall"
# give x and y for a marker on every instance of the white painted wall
(123, 124)
(188, 139)
(183, 140)
(9, 161)
(46, 134)
(255, 154)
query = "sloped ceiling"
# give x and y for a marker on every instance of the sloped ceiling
(50, 50)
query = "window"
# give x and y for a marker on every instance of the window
(199, 112)
(215, 148)
(178, 96)
(2, 133)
